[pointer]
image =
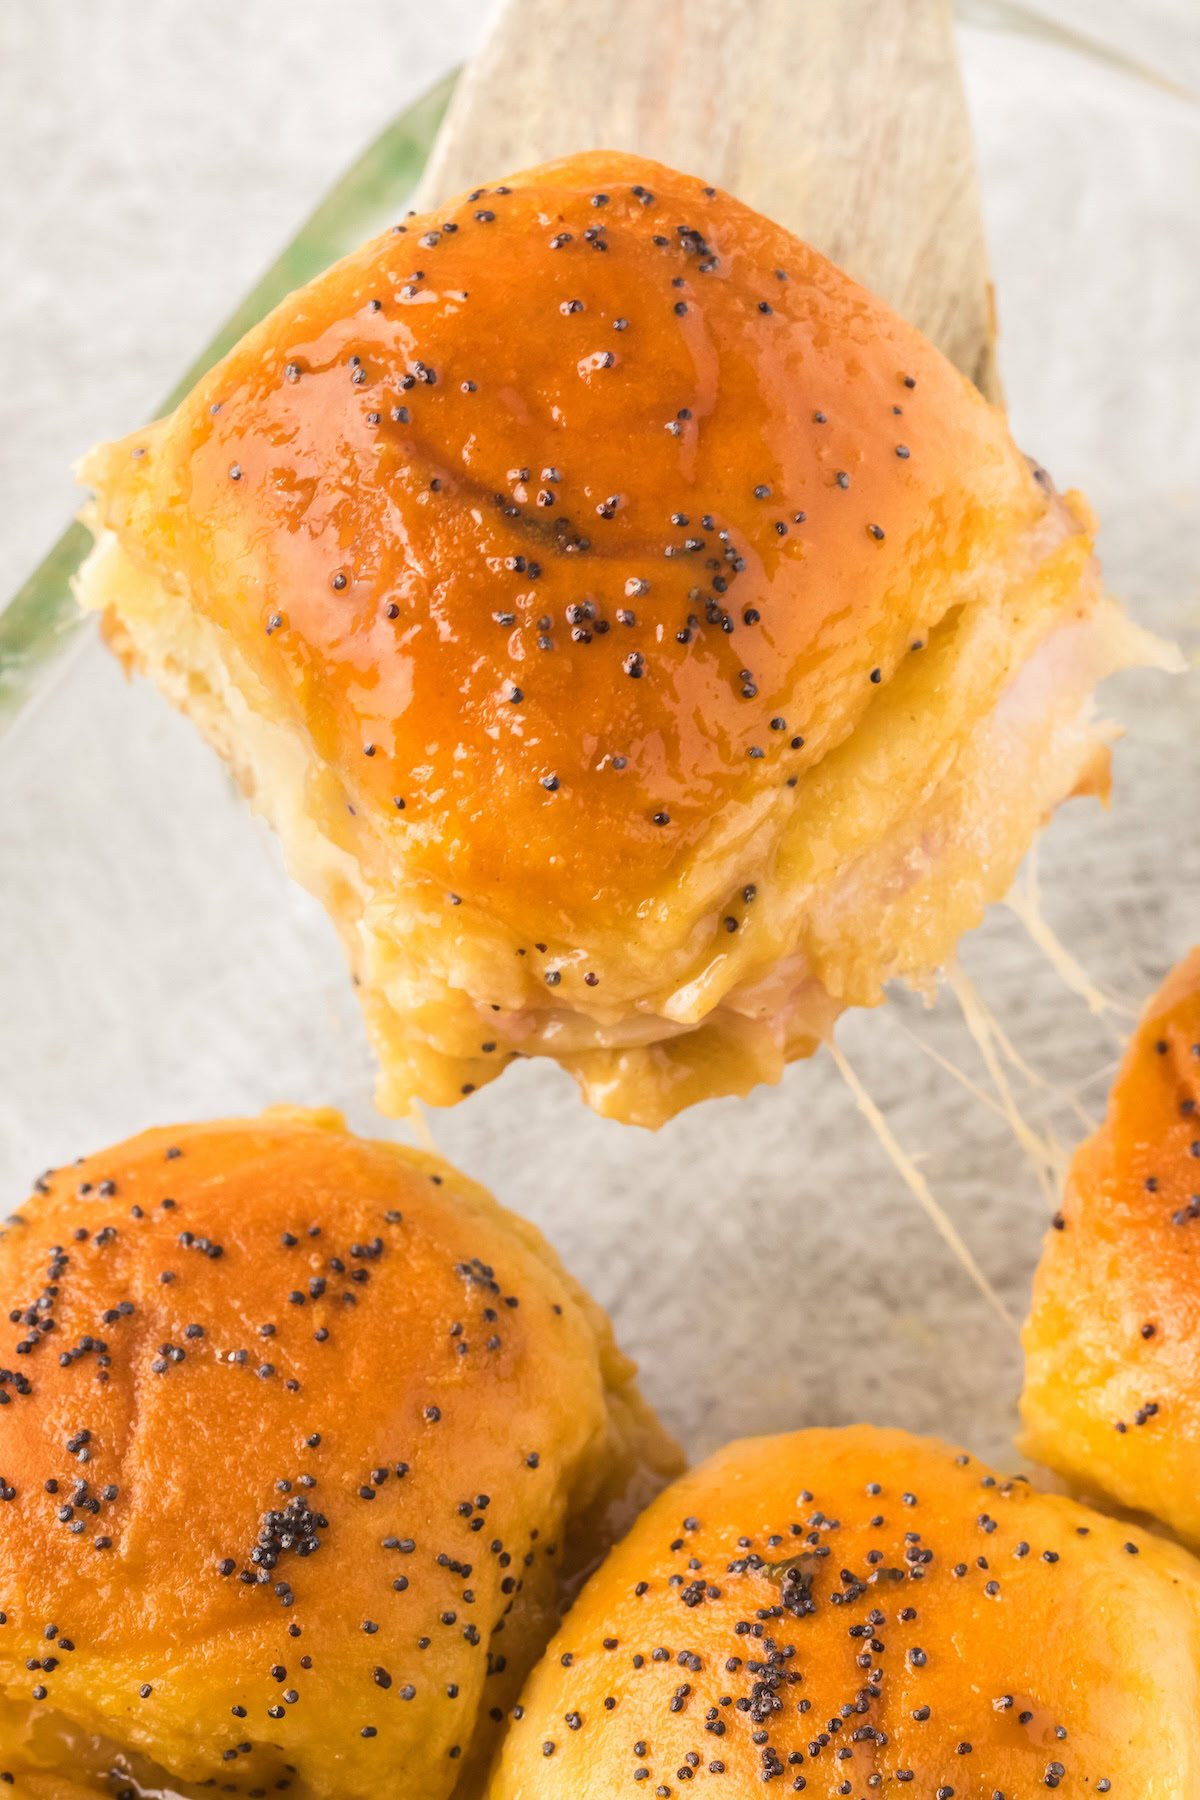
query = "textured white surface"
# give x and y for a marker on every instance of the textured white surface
(760, 1257)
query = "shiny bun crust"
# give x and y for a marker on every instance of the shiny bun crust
(301, 1437)
(646, 644)
(1112, 1344)
(842, 1613)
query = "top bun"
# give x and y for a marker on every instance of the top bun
(646, 644)
(1112, 1344)
(302, 1438)
(859, 1612)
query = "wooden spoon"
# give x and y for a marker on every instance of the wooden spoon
(843, 119)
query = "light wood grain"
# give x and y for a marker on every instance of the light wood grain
(842, 119)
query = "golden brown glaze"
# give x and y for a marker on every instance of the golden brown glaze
(540, 354)
(845, 1613)
(270, 1332)
(563, 545)
(1112, 1344)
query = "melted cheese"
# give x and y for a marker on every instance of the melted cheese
(804, 904)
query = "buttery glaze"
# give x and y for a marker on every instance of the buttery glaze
(645, 644)
(302, 1438)
(1112, 1344)
(574, 512)
(846, 1613)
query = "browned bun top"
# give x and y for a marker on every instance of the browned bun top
(646, 644)
(300, 1436)
(1112, 1344)
(572, 513)
(846, 1613)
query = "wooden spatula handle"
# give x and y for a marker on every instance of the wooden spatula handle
(843, 119)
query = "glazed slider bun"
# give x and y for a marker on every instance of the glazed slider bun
(301, 1439)
(644, 642)
(1112, 1344)
(857, 1612)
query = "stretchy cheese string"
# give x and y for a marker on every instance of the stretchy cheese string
(1060, 1097)
(1023, 901)
(943, 1062)
(1045, 1155)
(418, 1119)
(1104, 1073)
(1068, 1097)
(919, 1187)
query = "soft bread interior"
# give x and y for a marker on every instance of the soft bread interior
(869, 868)
(37, 1747)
